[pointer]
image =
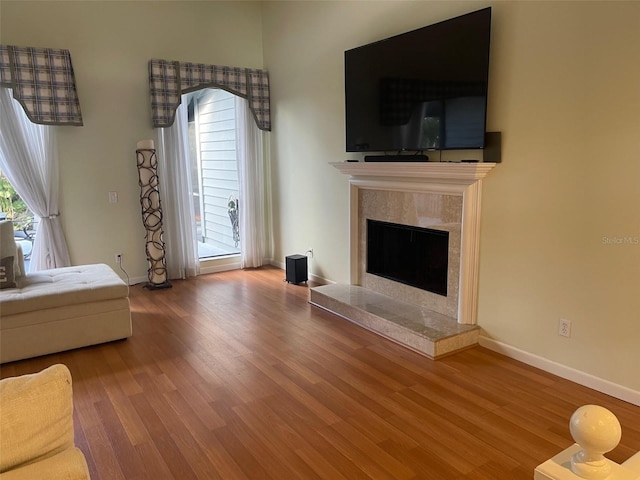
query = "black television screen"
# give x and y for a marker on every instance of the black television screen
(421, 90)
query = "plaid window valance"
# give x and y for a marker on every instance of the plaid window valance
(43, 82)
(168, 80)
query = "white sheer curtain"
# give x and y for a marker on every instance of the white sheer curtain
(176, 192)
(28, 159)
(179, 224)
(249, 144)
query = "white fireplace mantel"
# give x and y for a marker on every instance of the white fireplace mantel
(448, 178)
(447, 172)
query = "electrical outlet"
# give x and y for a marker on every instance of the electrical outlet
(564, 328)
(118, 258)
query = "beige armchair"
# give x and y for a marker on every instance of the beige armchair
(36, 428)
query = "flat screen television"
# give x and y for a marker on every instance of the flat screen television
(421, 90)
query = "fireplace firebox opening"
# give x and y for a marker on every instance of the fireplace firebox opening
(415, 256)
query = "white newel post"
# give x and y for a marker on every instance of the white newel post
(596, 431)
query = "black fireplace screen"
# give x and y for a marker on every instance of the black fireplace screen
(411, 255)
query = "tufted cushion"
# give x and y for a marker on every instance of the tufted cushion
(60, 287)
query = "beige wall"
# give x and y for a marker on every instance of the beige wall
(564, 90)
(111, 43)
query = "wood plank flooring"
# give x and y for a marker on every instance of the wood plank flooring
(235, 376)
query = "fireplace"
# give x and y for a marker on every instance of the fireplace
(440, 197)
(418, 211)
(415, 256)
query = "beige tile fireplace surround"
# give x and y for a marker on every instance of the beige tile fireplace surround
(436, 195)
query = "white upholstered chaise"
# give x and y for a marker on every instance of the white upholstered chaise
(60, 309)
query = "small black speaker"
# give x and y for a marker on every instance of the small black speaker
(296, 268)
(492, 147)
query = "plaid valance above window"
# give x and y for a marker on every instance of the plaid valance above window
(168, 80)
(43, 82)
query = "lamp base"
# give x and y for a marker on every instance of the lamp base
(158, 286)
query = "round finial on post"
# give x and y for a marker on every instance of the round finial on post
(597, 431)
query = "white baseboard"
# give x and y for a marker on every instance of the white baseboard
(205, 267)
(220, 267)
(577, 376)
(312, 277)
(219, 264)
(137, 280)
(276, 263)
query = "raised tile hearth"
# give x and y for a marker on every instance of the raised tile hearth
(420, 329)
(434, 195)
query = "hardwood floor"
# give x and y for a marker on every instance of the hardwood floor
(235, 376)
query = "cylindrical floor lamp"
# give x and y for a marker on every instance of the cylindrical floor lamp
(151, 214)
